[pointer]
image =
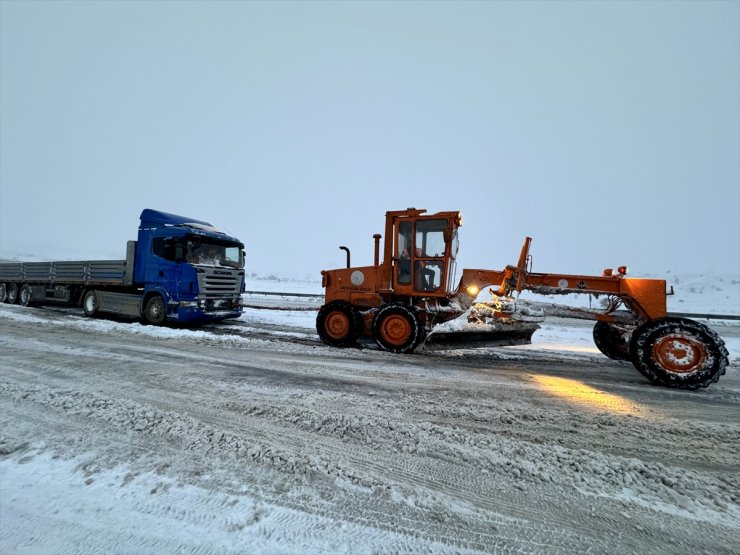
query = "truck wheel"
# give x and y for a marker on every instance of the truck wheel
(12, 293)
(154, 310)
(3, 292)
(338, 324)
(24, 296)
(397, 328)
(90, 303)
(612, 340)
(678, 352)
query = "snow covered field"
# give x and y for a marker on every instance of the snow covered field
(252, 436)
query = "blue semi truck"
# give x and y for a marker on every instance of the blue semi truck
(178, 270)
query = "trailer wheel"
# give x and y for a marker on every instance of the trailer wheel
(612, 340)
(90, 303)
(24, 296)
(3, 292)
(678, 352)
(397, 328)
(338, 324)
(12, 293)
(154, 312)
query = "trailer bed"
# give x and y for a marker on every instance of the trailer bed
(87, 272)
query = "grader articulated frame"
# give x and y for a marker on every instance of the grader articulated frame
(400, 300)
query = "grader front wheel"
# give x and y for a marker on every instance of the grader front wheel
(678, 352)
(612, 340)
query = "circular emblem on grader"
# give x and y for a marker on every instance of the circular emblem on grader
(357, 278)
(562, 283)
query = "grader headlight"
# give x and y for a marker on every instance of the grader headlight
(473, 290)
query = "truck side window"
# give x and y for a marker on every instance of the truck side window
(165, 248)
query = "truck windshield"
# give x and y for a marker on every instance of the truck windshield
(204, 252)
(199, 250)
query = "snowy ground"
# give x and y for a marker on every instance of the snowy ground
(252, 436)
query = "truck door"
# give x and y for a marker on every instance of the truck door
(163, 271)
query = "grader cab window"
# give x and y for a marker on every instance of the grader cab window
(420, 254)
(429, 250)
(430, 238)
(404, 253)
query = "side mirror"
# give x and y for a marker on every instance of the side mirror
(179, 254)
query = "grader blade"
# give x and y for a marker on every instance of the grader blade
(497, 323)
(476, 335)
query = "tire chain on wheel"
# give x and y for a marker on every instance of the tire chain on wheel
(355, 323)
(645, 337)
(412, 316)
(609, 339)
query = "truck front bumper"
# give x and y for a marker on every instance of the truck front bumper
(205, 310)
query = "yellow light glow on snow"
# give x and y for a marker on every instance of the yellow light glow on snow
(588, 397)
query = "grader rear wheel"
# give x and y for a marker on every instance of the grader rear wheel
(678, 352)
(338, 324)
(398, 329)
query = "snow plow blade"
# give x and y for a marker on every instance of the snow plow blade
(481, 335)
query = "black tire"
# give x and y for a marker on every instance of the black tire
(90, 303)
(3, 292)
(398, 329)
(12, 293)
(678, 352)
(338, 324)
(25, 295)
(154, 311)
(613, 340)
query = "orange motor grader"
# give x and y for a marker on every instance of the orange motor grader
(400, 300)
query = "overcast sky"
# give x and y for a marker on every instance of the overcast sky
(608, 131)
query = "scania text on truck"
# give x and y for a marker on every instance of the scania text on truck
(178, 270)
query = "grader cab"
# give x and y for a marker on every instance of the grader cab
(411, 297)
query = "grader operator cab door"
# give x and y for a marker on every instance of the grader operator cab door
(423, 255)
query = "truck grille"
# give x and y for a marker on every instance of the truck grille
(219, 282)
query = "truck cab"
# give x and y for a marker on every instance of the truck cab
(188, 269)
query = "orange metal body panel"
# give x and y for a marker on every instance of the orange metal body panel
(645, 297)
(358, 285)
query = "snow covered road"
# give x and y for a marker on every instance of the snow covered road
(254, 437)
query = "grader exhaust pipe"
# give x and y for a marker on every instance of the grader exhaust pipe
(348, 255)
